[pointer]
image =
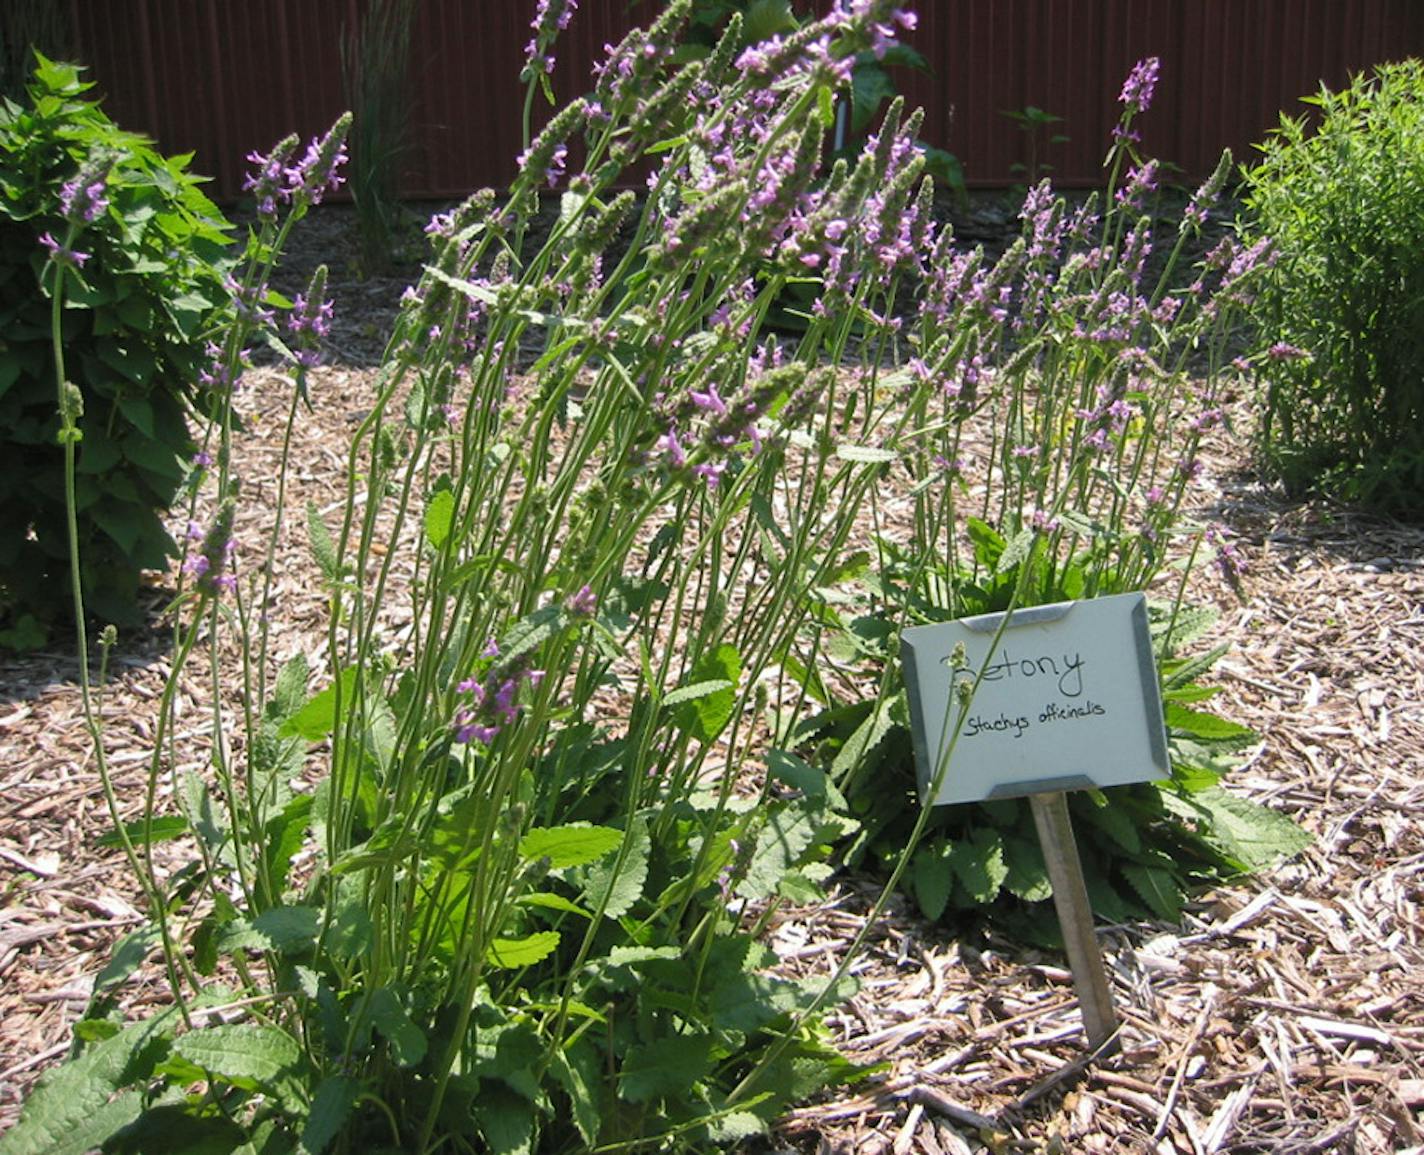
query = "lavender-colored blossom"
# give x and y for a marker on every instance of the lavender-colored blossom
(211, 566)
(82, 199)
(584, 603)
(61, 254)
(1283, 351)
(309, 322)
(267, 182)
(319, 170)
(1141, 84)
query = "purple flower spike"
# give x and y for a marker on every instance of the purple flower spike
(1141, 83)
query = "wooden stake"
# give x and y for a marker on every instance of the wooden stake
(1075, 917)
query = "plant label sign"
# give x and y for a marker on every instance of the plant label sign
(1058, 697)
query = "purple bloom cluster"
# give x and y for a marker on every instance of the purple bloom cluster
(62, 254)
(491, 697)
(550, 18)
(82, 200)
(1141, 84)
(275, 180)
(212, 563)
(309, 322)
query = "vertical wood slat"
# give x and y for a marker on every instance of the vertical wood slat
(222, 79)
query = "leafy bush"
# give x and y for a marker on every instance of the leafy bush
(1340, 196)
(146, 287)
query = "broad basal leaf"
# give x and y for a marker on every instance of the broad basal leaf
(242, 1053)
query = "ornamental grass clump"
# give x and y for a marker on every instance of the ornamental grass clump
(494, 876)
(1339, 194)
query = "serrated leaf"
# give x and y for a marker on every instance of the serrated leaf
(1254, 835)
(865, 454)
(1205, 726)
(161, 828)
(330, 1108)
(127, 956)
(1017, 550)
(511, 953)
(978, 863)
(322, 547)
(290, 688)
(578, 1071)
(670, 1066)
(617, 886)
(530, 632)
(315, 720)
(546, 900)
(696, 690)
(932, 878)
(1113, 821)
(1157, 888)
(242, 1052)
(631, 955)
(707, 714)
(74, 1109)
(406, 1040)
(280, 928)
(572, 845)
(439, 518)
(1027, 873)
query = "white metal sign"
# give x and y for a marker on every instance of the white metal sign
(1063, 697)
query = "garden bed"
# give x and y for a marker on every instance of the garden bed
(1286, 1014)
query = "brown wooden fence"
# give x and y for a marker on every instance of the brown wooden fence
(223, 77)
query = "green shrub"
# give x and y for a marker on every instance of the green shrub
(134, 323)
(1341, 197)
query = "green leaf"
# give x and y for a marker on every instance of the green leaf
(706, 715)
(1157, 887)
(1027, 874)
(161, 828)
(1017, 550)
(667, 1067)
(530, 632)
(988, 543)
(866, 454)
(74, 1109)
(1256, 836)
(439, 518)
(406, 1040)
(575, 844)
(932, 879)
(317, 718)
(696, 690)
(510, 953)
(280, 928)
(1206, 726)
(242, 1053)
(322, 547)
(578, 1071)
(289, 689)
(330, 1108)
(547, 900)
(978, 863)
(126, 958)
(614, 886)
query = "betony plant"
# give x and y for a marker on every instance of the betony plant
(494, 877)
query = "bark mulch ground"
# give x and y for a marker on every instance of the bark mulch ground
(1284, 1015)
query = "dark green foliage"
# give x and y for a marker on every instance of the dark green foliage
(1340, 194)
(1144, 848)
(134, 322)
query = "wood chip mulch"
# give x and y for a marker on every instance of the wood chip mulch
(1285, 1015)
